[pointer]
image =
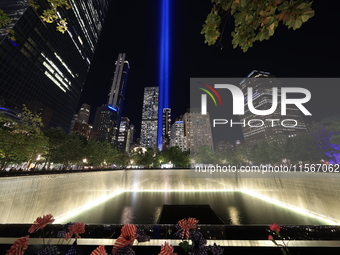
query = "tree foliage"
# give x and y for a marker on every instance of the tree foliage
(4, 19)
(204, 155)
(334, 128)
(319, 143)
(4, 22)
(72, 150)
(21, 140)
(56, 138)
(255, 20)
(50, 15)
(176, 156)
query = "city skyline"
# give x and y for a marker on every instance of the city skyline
(307, 52)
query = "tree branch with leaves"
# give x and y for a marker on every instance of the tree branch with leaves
(4, 22)
(255, 20)
(51, 15)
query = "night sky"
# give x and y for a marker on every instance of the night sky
(133, 28)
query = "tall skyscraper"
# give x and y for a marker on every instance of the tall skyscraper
(129, 138)
(84, 114)
(111, 114)
(73, 122)
(178, 137)
(197, 130)
(149, 127)
(122, 139)
(118, 87)
(262, 84)
(107, 119)
(166, 126)
(102, 123)
(43, 68)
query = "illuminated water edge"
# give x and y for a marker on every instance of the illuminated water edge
(73, 213)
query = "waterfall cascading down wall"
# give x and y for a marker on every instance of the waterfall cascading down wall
(24, 198)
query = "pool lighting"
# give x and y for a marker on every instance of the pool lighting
(63, 217)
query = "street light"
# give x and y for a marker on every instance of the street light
(84, 162)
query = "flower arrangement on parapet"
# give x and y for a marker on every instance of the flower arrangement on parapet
(275, 229)
(167, 249)
(123, 244)
(19, 246)
(187, 229)
(41, 222)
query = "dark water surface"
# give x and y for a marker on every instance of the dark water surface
(233, 208)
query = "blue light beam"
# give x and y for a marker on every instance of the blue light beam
(164, 71)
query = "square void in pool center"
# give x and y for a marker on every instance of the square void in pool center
(234, 208)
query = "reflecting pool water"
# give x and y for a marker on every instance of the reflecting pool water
(234, 208)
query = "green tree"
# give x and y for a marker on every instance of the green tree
(49, 15)
(4, 19)
(71, 151)
(205, 155)
(324, 140)
(4, 23)
(303, 147)
(242, 154)
(122, 158)
(226, 157)
(259, 153)
(56, 139)
(148, 158)
(112, 154)
(178, 157)
(22, 139)
(255, 20)
(137, 156)
(334, 128)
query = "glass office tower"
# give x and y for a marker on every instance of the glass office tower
(262, 84)
(44, 68)
(149, 127)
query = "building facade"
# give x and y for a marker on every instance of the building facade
(84, 114)
(123, 133)
(262, 84)
(166, 128)
(178, 137)
(149, 127)
(117, 92)
(44, 68)
(103, 124)
(85, 130)
(197, 130)
(108, 116)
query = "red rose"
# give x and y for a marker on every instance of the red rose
(275, 227)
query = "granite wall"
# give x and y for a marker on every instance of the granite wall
(23, 199)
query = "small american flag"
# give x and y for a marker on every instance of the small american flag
(72, 250)
(49, 250)
(100, 250)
